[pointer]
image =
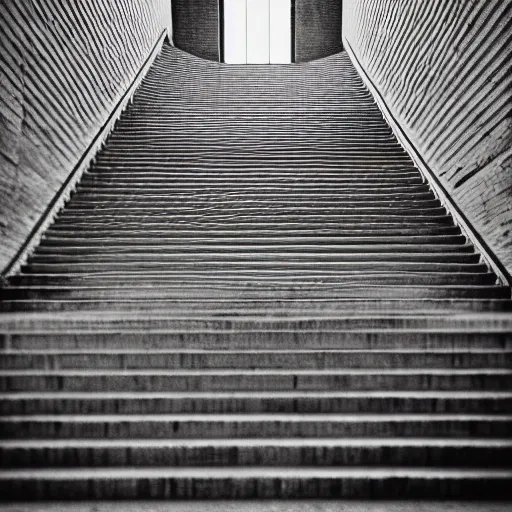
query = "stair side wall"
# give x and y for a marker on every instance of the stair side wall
(63, 68)
(444, 70)
(317, 29)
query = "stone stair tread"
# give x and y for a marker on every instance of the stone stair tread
(465, 262)
(267, 352)
(257, 442)
(92, 372)
(146, 395)
(154, 323)
(444, 240)
(342, 306)
(264, 473)
(212, 246)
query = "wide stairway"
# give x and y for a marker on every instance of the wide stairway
(254, 293)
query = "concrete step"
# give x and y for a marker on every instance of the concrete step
(111, 287)
(336, 158)
(442, 379)
(325, 211)
(253, 359)
(292, 188)
(221, 305)
(248, 204)
(465, 252)
(224, 224)
(302, 329)
(115, 172)
(121, 230)
(256, 452)
(280, 308)
(213, 178)
(277, 202)
(395, 339)
(288, 505)
(319, 239)
(252, 404)
(466, 262)
(243, 246)
(249, 424)
(312, 195)
(295, 275)
(254, 483)
(142, 277)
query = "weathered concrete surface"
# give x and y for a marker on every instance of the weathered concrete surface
(219, 182)
(269, 506)
(63, 67)
(444, 69)
(317, 29)
(196, 25)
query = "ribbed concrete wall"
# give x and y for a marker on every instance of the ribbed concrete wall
(317, 29)
(63, 67)
(196, 27)
(444, 69)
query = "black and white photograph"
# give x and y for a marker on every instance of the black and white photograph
(256, 255)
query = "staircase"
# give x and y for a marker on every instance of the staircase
(253, 293)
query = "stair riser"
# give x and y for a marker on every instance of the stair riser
(206, 179)
(180, 224)
(145, 288)
(149, 429)
(145, 240)
(309, 162)
(255, 488)
(254, 204)
(328, 405)
(255, 143)
(142, 281)
(309, 326)
(359, 272)
(450, 262)
(292, 186)
(260, 340)
(329, 200)
(105, 167)
(290, 382)
(297, 232)
(336, 197)
(295, 456)
(341, 251)
(294, 306)
(195, 361)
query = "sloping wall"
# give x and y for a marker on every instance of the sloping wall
(63, 67)
(445, 70)
(317, 29)
(196, 27)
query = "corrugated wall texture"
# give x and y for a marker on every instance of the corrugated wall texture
(64, 66)
(196, 27)
(317, 29)
(444, 69)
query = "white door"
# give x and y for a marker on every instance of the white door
(280, 31)
(257, 31)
